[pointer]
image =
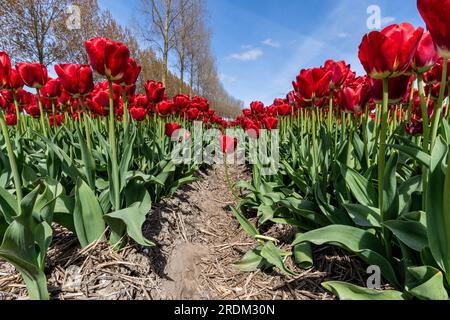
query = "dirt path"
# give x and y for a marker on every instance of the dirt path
(198, 240)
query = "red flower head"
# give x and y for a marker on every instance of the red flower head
(138, 114)
(192, 114)
(398, 88)
(15, 80)
(436, 14)
(247, 112)
(171, 128)
(33, 109)
(355, 96)
(389, 53)
(426, 55)
(313, 84)
(435, 74)
(108, 58)
(141, 101)
(77, 79)
(271, 123)
(201, 104)
(3, 102)
(5, 69)
(58, 122)
(341, 72)
(164, 108)
(228, 144)
(34, 75)
(155, 91)
(181, 101)
(131, 74)
(257, 107)
(11, 119)
(284, 110)
(52, 89)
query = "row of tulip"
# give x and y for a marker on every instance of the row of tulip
(364, 163)
(92, 157)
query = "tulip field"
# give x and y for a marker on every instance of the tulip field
(364, 162)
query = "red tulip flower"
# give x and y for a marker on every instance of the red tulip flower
(5, 69)
(398, 89)
(77, 79)
(57, 120)
(426, 55)
(389, 53)
(271, 123)
(435, 74)
(192, 114)
(11, 119)
(171, 128)
(284, 110)
(228, 144)
(341, 73)
(436, 14)
(164, 108)
(313, 84)
(108, 58)
(257, 107)
(34, 75)
(52, 89)
(354, 97)
(138, 114)
(131, 74)
(15, 80)
(155, 91)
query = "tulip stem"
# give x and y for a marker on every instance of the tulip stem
(112, 143)
(438, 109)
(330, 113)
(227, 176)
(382, 163)
(16, 105)
(87, 124)
(126, 114)
(12, 162)
(41, 111)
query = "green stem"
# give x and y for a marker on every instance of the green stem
(41, 110)
(86, 124)
(438, 109)
(112, 143)
(126, 114)
(227, 176)
(330, 113)
(12, 162)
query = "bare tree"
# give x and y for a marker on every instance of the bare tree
(163, 15)
(28, 29)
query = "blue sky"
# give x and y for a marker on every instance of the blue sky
(261, 45)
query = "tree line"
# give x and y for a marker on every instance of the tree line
(171, 40)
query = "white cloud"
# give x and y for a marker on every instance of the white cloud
(271, 43)
(227, 79)
(387, 20)
(249, 55)
(343, 35)
(246, 46)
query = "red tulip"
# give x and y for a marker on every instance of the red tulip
(284, 110)
(247, 112)
(52, 89)
(164, 108)
(3, 102)
(141, 101)
(5, 69)
(34, 75)
(33, 109)
(228, 144)
(436, 14)
(108, 58)
(313, 84)
(192, 114)
(389, 53)
(341, 73)
(257, 107)
(171, 128)
(426, 55)
(181, 101)
(200, 103)
(138, 114)
(11, 119)
(354, 97)
(155, 91)
(398, 88)
(271, 123)
(15, 80)
(58, 122)
(435, 74)
(131, 74)
(77, 79)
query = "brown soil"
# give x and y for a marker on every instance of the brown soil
(198, 240)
